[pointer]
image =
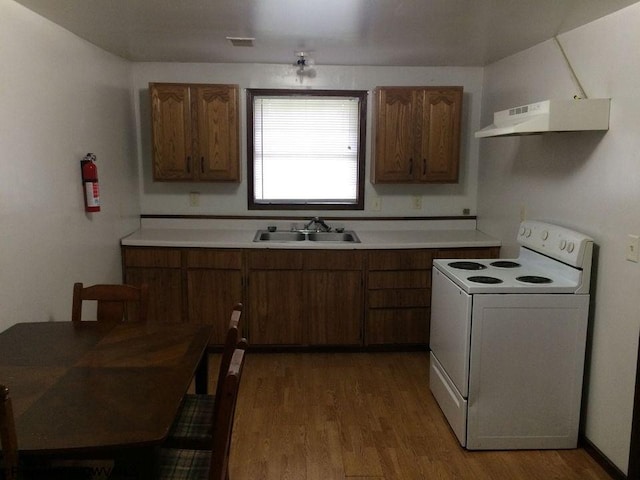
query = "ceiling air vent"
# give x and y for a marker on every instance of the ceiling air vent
(241, 41)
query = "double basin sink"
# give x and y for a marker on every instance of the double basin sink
(348, 236)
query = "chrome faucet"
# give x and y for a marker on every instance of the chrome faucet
(321, 226)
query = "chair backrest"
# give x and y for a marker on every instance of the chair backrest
(112, 301)
(218, 469)
(230, 344)
(8, 437)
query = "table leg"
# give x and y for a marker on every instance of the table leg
(202, 375)
(136, 464)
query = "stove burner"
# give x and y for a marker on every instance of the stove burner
(467, 265)
(484, 279)
(534, 279)
(505, 264)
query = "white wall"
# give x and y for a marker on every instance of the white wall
(219, 199)
(586, 181)
(60, 98)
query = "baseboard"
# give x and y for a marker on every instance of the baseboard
(328, 348)
(601, 458)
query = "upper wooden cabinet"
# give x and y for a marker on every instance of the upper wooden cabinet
(195, 132)
(417, 134)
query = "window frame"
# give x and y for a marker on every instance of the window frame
(362, 95)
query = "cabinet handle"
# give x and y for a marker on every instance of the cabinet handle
(201, 164)
(410, 166)
(188, 164)
(424, 166)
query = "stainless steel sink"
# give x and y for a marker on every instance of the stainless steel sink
(266, 236)
(301, 236)
(333, 237)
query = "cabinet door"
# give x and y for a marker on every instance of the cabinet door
(395, 149)
(275, 307)
(218, 151)
(439, 150)
(160, 268)
(211, 295)
(165, 291)
(214, 286)
(333, 301)
(171, 132)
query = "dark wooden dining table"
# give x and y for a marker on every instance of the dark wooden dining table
(93, 390)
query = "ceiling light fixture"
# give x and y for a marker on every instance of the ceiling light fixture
(303, 63)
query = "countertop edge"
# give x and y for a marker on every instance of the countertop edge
(370, 240)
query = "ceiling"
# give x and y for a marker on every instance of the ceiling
(335, 32)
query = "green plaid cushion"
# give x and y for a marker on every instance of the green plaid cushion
(178, 464)
(193, 423)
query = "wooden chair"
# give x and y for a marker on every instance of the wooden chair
(8, 437)
(212, 464)
(112, 301)
(194, 422)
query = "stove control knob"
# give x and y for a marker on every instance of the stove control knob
(527, 232)
(570, 247)
(544, 235)
(563, 244)
(522, 229)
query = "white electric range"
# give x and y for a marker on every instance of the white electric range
(508, 341)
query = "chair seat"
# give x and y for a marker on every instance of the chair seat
(191, 428)
(184, 464)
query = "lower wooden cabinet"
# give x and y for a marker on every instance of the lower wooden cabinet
(275, 307)
(188, 285)
(398, 296)
(305, 298)
(333, 296)
(213, 286)
(160, 268)
(398, 326)
(274, 296)
(295, 297)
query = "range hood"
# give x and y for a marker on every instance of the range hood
(550, 116)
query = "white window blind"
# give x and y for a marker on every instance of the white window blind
(306, 149)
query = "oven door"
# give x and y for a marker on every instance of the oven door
(527, 363)
(450, 336)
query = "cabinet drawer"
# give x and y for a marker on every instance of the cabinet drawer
(152, 257)
(402, 279)
(275, 260)
(400, 259)
(414, 297)
(398, 326)
(333, 260)
(486, 252)
(216, 259)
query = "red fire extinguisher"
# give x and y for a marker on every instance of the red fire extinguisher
(90, 183)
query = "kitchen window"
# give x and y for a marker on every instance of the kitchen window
(306, 149)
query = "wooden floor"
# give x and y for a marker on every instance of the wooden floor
(364, 416)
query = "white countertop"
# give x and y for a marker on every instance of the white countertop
(370, 239)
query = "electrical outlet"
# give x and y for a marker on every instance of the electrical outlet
(194, 199)
(416, 202)
(376, 204)
(633, 244)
